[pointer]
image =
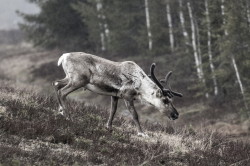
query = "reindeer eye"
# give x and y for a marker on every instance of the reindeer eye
(165, 101)
(159, 93)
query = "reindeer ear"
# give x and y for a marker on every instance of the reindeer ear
(159, 93)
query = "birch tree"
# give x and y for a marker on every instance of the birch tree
(223, 16)
(98, 8)
(248, 13)
(150, 42)
(104, 30)
(235, 67)
(170, 26)
(182, 20)
(197, 33)
(194, 45)
(210, 49)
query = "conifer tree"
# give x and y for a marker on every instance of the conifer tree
(57, 25)
(235, 30)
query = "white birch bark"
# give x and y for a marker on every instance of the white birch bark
(102, 37)
(223, 15)
(248, 13)
(232, 57)
(182, 20)
(210, 49)
(193, 36)
(197, 33)
(170, 26)
(150, 42)
(106, 29)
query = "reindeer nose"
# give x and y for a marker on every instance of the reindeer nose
(174, 115)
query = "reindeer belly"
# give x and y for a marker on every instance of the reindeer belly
(103, 89)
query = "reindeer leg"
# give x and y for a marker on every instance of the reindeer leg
(62, 94)
(131, 108)
(114, 102)
(59, 84)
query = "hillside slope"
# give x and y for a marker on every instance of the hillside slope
(33, 134)
(29, 67)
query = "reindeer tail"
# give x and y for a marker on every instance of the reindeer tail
(62, 58)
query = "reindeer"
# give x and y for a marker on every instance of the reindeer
(120, 80)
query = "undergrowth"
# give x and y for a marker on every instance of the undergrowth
(32, 133)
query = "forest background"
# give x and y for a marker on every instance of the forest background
(205, 43)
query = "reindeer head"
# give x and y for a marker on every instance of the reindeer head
(164, 96)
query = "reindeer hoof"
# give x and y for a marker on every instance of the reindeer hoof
(109, 128)
(64, 114)
(60, 111)
(140, 134)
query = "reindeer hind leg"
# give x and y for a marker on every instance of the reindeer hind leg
(59, 84)
(71, 86)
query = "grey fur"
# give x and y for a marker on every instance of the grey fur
(124, 80)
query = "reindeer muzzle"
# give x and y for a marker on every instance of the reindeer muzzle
(174, 116)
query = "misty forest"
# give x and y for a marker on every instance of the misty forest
(205, 43)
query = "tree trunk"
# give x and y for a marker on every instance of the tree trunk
(248, 13)
(150, 42)
(100, 17)
(239, 80)
(182, 20)
(106, 31)
(198, 43)
(232, 57)
(170, 26)
(210, 49)
(193, 36)
(223, 15)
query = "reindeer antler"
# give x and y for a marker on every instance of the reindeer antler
(152, 68)
(166, 92)
(168, 85)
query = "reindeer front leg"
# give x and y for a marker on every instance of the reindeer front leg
(131, 108)
(114, 102)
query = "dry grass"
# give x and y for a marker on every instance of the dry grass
(31, 133)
